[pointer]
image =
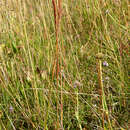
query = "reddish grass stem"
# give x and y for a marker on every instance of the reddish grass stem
(57, 17)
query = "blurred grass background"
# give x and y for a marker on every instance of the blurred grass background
(29, 95)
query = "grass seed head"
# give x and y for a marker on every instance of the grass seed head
(99, 56)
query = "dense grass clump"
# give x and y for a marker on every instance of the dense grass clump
(64, 65)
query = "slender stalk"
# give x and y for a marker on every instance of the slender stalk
(101, 92)
(61, 104)
(99, 68)
(77, 109)
(57, 17)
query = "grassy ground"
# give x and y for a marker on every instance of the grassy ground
(89, 90)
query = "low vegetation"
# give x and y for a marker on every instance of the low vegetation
(64, 65)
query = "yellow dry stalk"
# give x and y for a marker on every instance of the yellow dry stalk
(2, 46)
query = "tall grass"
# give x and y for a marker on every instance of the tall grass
(52, 75)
